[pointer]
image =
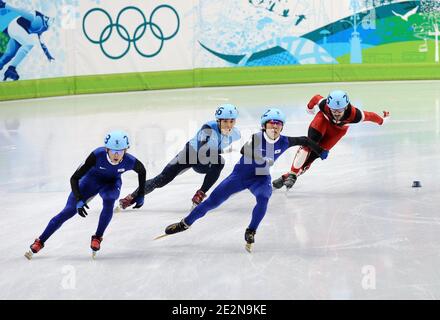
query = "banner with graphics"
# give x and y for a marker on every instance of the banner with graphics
(293, 32)
(46, 38)
(61, 38)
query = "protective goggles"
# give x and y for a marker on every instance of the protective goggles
(339, 110)
(273, 122)
(120, 152)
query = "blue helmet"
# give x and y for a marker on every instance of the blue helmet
(117, 140)
(337, 99)
(226, 111)
(273, 114)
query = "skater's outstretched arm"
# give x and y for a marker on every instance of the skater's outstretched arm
(316, 100)
(307, 142)
(79, 173)
(370, 116)
(45, 50)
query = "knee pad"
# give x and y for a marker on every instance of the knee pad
(300, 158)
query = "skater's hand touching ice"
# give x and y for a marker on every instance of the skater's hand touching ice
(324, 154)
(80, 208)
(139, 200)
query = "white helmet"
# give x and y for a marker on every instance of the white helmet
(337, 99)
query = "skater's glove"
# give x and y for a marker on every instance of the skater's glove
(324, 154)
(80, 208)
(139, 200)
(2, 4)
(310, 110)
(385, 117)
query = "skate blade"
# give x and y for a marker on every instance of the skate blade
(29, 255)
(193, 207)
(93, 255)
(248, 247)
(118, 209)
(161, 236)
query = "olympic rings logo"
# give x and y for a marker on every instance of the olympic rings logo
(139, 32)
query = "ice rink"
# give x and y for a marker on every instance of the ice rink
(351, 228)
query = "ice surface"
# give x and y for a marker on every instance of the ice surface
(351, 228)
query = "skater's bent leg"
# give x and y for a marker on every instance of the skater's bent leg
(21, 54)
(309, 162)
(301, 157)
(10, 52)
(56, 222)
(109, 195)
(105, 217)
(88, 188)
(166, 176)
(259, 212)
(220, 194)
(262, 192)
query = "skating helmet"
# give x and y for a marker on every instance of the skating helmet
(226, 111)
(337, 99)
(117, 140)
(273, 114)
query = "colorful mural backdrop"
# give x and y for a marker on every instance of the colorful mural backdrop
(43, 38)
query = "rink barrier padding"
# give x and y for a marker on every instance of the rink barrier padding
(214, 77)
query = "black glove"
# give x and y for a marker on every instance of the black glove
(80, 207)
(2, 4)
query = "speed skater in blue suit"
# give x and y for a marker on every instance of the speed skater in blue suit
(252, 172)
(100, 174)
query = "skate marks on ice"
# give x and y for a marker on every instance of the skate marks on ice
(414, 211)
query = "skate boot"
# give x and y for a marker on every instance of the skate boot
(279, 183)
(198, 198)
(290, 180)
(249, 236)
(11, 73)
(126, 202)
(35, 247)
(176, 227)
(95, 245)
